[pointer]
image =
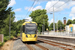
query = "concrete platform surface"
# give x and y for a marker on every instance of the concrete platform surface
(58, 36)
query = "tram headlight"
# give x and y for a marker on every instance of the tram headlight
(35, 36)
(26, 36)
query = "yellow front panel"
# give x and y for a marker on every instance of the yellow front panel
(30, 37)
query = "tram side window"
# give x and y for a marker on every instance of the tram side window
(23, 28)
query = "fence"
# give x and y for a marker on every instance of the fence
(59, 34)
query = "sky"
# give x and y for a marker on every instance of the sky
(63, 8)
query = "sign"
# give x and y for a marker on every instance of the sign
(1, 37)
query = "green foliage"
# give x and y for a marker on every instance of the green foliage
(69, 22)
(5, 29)
(51, 26)
(11, 37)
(50, 29)
(40, 17)
(1, 43)
(60, 25)
(18, 25)
(4, 21)
(18, 34)
(6, 38)
(73, 21)
(4, 18)
(4, 12)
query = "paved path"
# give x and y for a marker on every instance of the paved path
(18, 45)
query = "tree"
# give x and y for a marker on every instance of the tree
(51, 26)
(4, 12)
(40, 17)
(3, 8)
(73, 21)
(5, 29)
(18, 25)
(60, 25)
(69, 22)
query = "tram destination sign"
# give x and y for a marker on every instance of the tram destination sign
(31, 24)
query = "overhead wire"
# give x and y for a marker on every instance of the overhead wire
(30, 8)
(62, 4)
(34, 5)
(53, 5)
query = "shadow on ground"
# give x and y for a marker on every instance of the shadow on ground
(32, 42)
(29, 42)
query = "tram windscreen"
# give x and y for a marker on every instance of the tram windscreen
(30, 28)
(30, 32)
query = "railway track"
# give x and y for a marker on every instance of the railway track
(32, 48)
(60, 45)
(43, 48)
(43, 44)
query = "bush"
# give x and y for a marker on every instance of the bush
(11, 37)
(6, 38)
(1, 44)
(50, 29)
(18, 34)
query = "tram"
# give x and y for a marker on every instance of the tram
(29, 31)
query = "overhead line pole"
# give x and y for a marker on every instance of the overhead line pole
(53, 20)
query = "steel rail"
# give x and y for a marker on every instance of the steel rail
(46, 41)
(44, 48)
(60, 43)
(30, 47)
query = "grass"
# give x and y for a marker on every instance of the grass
(1, 43)
(6, 38)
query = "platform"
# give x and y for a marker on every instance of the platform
(61, 39)
(57, 36)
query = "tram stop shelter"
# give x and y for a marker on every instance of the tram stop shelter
(70, 28)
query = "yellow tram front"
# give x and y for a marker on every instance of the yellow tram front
(29, 32)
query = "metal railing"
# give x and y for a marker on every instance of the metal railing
(59, 34)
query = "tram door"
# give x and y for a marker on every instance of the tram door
(71, 29)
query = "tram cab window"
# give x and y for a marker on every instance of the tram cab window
(23, 28)
(30, 32)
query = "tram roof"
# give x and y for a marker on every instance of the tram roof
(28, 22)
